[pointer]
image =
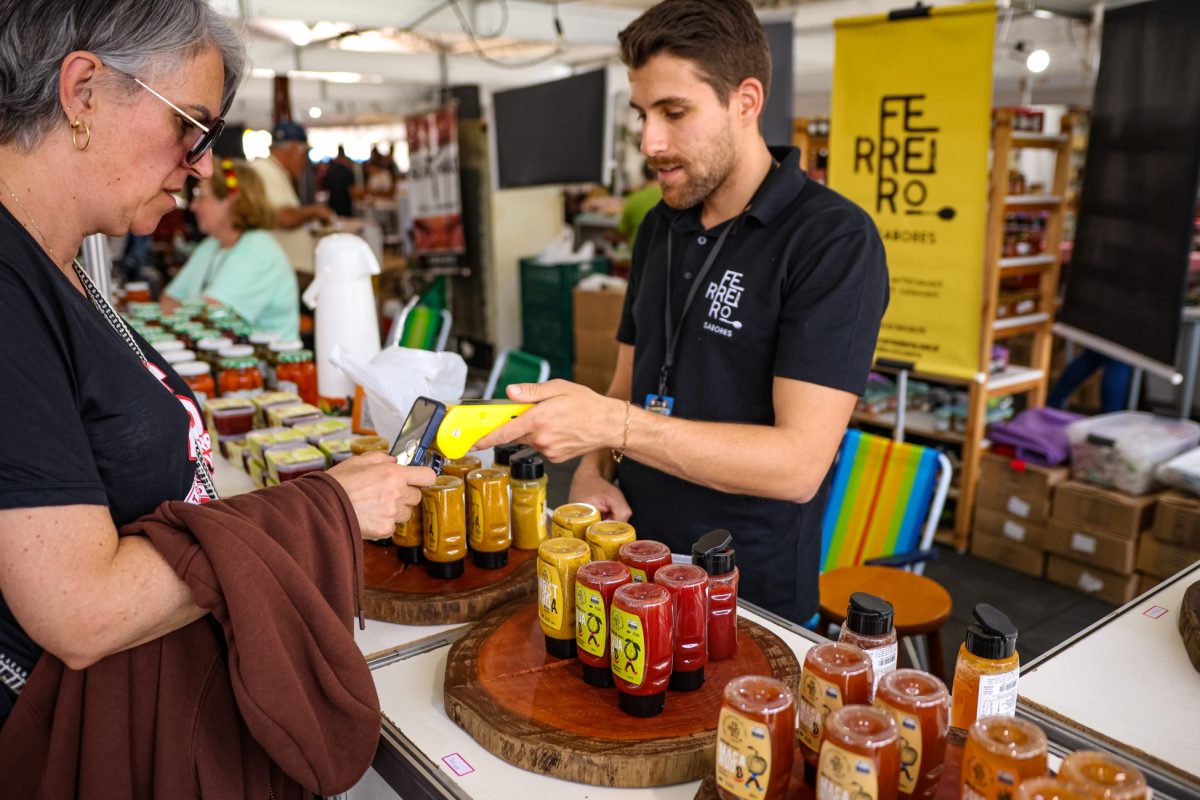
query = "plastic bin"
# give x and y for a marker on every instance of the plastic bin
(547, 309)
(1183, 471)
(1123, 450)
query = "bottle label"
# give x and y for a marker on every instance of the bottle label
(639, 575)
(429, 511)
(983, 781)
(743, 756)
(817, 698)
(475, 515)
(590, 625)
(998, 694)
(883, 661)
(550, 596)
(558, 531)
(842, 775)
(910, 745)
(628, 647)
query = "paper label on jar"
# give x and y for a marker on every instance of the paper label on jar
(561, 532)
(743, 756)
(818, 697)
(432, 532)
(842, 775)
(590, 624)
(910, 745)
(983, 781)
(639, 575)
(883, 661)
(628, 647)
(475, 515)
(550, 596)
(288, 386)
(998, 695)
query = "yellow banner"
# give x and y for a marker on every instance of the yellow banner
(911, 125)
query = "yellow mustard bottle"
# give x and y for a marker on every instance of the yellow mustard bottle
(558, 561)
(606, 537)
(572, 520)
(528, 486)
(409, 536)
(488, 517)
(444, 510)
(459, 467)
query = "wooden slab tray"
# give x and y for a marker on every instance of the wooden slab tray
(405, 594)
(948, 786)
(535, 712)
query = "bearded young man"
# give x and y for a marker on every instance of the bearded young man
(749, 327)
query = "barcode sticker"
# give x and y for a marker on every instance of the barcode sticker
(1018, 507)
(457, 764)
(998, 694)
(1083, 543)
(1014, 531)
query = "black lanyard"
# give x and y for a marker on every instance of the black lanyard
(674, 330)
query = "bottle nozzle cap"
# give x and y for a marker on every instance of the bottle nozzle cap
(992, 635)
(714, 552)
(869, 615)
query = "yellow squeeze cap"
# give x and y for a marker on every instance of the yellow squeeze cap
(466, 424)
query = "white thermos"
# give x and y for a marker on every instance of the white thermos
(344, 302)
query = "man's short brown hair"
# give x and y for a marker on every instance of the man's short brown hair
(723, 38)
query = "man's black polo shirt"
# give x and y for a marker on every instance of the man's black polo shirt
(797, 291)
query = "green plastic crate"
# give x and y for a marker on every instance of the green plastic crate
(547, 313)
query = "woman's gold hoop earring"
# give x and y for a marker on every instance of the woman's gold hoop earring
(87, 132)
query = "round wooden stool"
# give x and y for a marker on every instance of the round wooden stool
(922, 605)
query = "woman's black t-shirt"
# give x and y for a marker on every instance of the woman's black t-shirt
(82, 420)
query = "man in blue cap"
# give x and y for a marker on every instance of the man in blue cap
(289, 150)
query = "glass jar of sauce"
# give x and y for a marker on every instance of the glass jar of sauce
(1000, 753)
(368, 444)
(834, 675)
(860, 755)
(755, 739)
(198, 376)
(920, 705)
(240, 377)
(459, 467)
(1102, 776)
(297, 372)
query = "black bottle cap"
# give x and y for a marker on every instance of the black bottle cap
(560, 648)
(445, 570)
(597, 676)
(992, 635)
(494, 560)
(642, 705)
(869, 615)
(380, 542)
(410, 555)
(527, 466)
(502, 453)
(714, 552)
(687, 681)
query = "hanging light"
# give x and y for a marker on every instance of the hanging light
(1037, 61)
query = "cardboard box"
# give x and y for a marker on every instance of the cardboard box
(1008, 553)
(1089, 546)
(597, 316)
(1177, 519)
(1088, 506)
(1147, 582)
(1013, 529)
(1016, 488)
(1099, 583)
(598, 379)
(1163, 560)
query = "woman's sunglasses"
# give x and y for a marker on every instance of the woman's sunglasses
(208, 135)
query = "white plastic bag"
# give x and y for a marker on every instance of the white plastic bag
(397, 376)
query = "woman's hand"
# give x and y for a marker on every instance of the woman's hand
(381, 491)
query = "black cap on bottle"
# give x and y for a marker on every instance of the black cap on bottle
(597, 676)
(410, 555)
(527, 466)
(560, 648)
(494, 560)
(445, 570)
(380, 542)
(502, 453)
(992, 635)
(687, 681)
(714, 552)
(869, 615)
(642, 705)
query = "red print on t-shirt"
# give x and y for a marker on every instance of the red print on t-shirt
(199, 442)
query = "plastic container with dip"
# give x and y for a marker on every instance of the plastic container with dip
(595, 584)
(335, 448)
(287, 465)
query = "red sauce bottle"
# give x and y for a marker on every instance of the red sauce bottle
(644, 558)
(920, 705)
(714, 552)
(688, 585)
(756, 736)
(595, 584)
(860, 755)
(640, 628)
(834, 675)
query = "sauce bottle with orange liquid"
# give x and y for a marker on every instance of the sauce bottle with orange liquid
(985, 677)
(755, 739)
(834, 675)
(1000, 753)
(920, 705)
(860, 755)
(1101, 776)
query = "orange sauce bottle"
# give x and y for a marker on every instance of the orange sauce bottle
(528, 486)
(645, 558)
(756, 735)
(985, 676)
(409, 537)
(1001, 752)
(869, 626)
(443, 508)
(860, 755)
(606, 537)
(920, 705)
(571, 521)
(1049, 789)
(595, 584)
(834, 675)
(488, 521)
(1101, 776)
(558, 561)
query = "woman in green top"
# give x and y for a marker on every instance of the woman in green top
(239, 265)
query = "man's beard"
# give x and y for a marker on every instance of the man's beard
(702, 175)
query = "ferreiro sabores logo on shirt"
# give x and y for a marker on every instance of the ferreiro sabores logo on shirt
(724, 297)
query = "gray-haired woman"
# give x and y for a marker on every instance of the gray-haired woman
(106, 107)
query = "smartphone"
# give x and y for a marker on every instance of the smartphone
(415, 445)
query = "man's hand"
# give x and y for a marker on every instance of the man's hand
(568, 420)
(589, 486)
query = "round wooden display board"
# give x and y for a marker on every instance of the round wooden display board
(406, 594)
(535, 712)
